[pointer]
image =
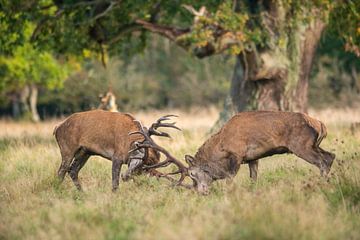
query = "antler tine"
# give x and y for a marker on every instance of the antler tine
(159, 123)
(167, 116)
(171, 125)
(175, 182)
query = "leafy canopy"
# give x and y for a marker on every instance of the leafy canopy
(72, 26)
(28, 65)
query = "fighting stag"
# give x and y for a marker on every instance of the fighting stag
(244, 139)
(106, 134)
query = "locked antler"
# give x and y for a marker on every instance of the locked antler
(149, 143)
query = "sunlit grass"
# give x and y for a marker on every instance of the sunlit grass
(289, 201)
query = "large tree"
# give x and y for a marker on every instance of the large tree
(274, 41)
(26, 70)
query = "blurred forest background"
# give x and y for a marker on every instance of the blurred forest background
(165, 76)
(161, 75)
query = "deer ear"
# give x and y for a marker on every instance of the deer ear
(190, 160)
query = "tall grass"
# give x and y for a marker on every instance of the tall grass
(289, 201)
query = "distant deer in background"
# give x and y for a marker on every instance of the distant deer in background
(108, 102)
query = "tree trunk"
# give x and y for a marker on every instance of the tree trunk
(15, 105)
(274, 79)
(24, 105)
(33, 103)
(355, 86)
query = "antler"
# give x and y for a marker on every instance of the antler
(149, 143)
(159, 123)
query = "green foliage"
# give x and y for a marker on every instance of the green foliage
(345, 22)
(11, 28)
(334, 79)
(86, 28)
(71, 26)
(207, 28)
(163, 76)
(28, 65)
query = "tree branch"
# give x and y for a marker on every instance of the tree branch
(106, 11)
(63, 8)
(224, 39)
(124, 30)
(171, 33)
(131, 27)
(42, 23)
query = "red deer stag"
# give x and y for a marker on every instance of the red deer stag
(244, 139)
(106, 134)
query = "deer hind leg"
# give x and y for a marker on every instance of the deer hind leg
(253, 167)
(80, 159)
(65, 163)
(67, 157)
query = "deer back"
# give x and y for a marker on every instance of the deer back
(101, 132)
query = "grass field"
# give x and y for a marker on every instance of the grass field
(289, 201)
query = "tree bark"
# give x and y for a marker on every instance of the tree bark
(308, 50)
(265, 87)
(24, 106)
(33, 103)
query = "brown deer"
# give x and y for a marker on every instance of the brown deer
(106, 134)
(244, 139)
(108, 102)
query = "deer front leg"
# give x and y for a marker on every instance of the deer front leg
(116, 167)
(253, 166)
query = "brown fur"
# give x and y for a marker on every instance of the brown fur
(100, 133)
(249, 136)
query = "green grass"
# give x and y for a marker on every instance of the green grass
(289, 201)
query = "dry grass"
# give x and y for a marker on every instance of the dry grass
(289, 201)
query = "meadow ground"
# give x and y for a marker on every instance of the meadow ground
(289, 201)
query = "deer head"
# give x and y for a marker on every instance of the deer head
(200, 176)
